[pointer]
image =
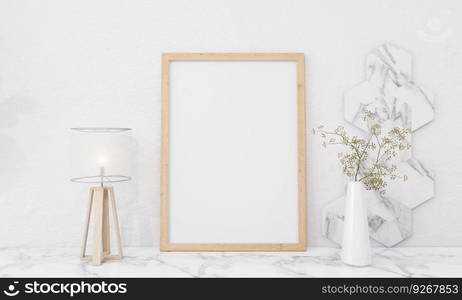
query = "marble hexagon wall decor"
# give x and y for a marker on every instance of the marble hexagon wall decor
(389, 85)
(396, 100)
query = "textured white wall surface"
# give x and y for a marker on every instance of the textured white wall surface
(97, 63)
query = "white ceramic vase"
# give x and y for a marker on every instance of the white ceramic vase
(356, 248)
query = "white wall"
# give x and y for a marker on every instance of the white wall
(91, 63)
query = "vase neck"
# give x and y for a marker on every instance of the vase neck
(354, 184)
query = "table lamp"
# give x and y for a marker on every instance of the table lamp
(100, 156)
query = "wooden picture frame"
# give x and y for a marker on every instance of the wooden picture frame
(300, 245)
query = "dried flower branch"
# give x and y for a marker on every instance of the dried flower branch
(368, 160)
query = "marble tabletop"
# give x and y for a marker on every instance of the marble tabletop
(149, 262)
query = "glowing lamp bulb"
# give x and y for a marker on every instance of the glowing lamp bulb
(102, 160)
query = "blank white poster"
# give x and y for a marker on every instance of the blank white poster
(233, 152)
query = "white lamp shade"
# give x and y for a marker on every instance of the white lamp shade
(93, 148)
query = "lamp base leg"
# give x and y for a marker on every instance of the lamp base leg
(100, 199)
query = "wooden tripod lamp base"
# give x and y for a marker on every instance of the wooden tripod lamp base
(99, 200)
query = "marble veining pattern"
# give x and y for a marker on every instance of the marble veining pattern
(391, 94)
(149, 262)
